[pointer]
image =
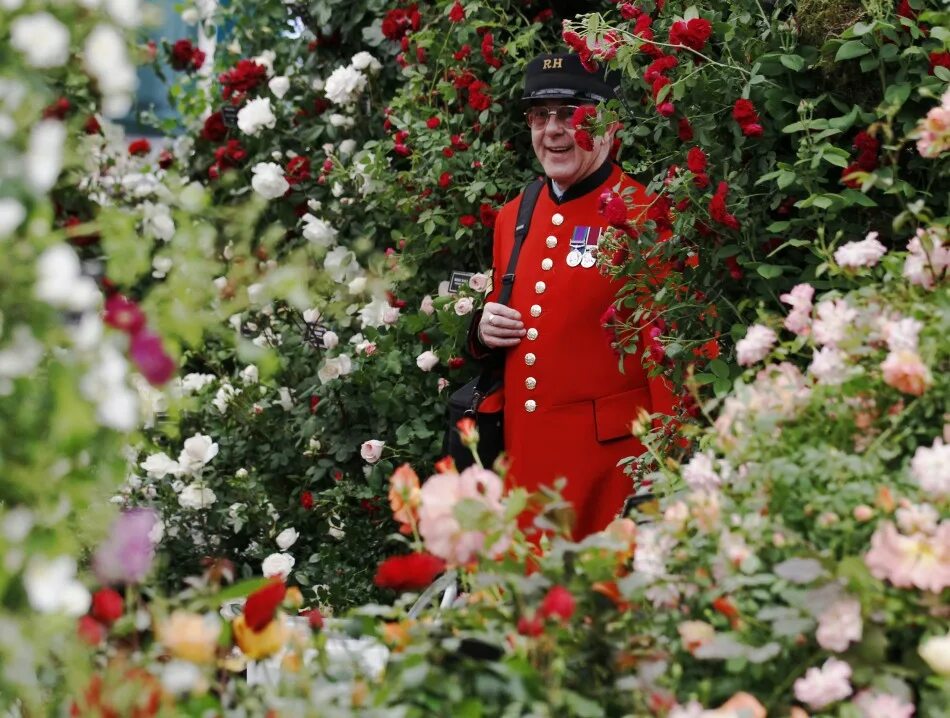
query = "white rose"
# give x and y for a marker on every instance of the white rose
(372, 450)
(107, 59)
(390, 315)
(330, 340)
(427, 307)
(161, 266)
(286, 400)
(341, 264)
(865, 253)
(255, 116)
(190, 16)
(347, 147)
(463, 306)
(338, 120)
(278, 564)
(357, 286)
(198, 451)
(279, 85)
(44, 154)
(12, 215)
(250, 374)
(266, 60)
(318, 231)
(196, 496)
(936, 652)
(195, 382)
(61, 283)
(42, 38)
(268, 180)
(159, 465)
(51, 586)
(287, 538)
(157, 221)
(755, 345)
(127, 13)
(427, 360)
(344, 85)
(365, 61)
(311, 316)
(371, 315)
(334, 368)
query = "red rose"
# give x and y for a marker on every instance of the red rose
(445, 179)
(558, 603)
(583, 116)
(314, 403)
(79, 240)
(744, 113)
(261, 605)
(717, 207)
(123, 314)
(165, 159)
(584, 140)
(107, 606)
(662, 64)
(457, 13)
(90, 631)
(693, 33)
(629, 11)
(314, 618)
(467, 220)
(185, 57)
(139, 148)
(613, 208)
(939, 59)
(488, 50)
(487, 215)
(573, 40)
(684, 130)
(407, 573)
(214, 129)
(448, 152)
(458, 143)
(735, 271)
(462, 52)
(149, 356)
(753, 129)
(242, 78)
(530, 627)
(667, 109)
(905, 10)
(92, 126)
(306, 500)
(433, 122)
(696, 160)
(298, 170)
(59, 109)
(401, 149)
(478, 100)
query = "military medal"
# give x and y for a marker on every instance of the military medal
(578, 241)
(590, 249)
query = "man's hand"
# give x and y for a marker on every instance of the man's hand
(501, 326)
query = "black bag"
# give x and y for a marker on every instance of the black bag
(464, 402)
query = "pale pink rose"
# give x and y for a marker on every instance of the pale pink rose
(882, 705)
(799, 319)
(928, 257)
(820, 687)
(478, 282)
(427, 307)
(464, 305)
(700, 473)
(917, 519)
(828, 366)
(741, 704)
(442, 383)
(930, 467)
(427, 360)
(439, 527)
(933, 132)
(865, 253)
(839, 625)
(902, 333)
(755, 345)
(918, 560)
(390, 315)
(694, 634)
(906, 372)
(834, 319)
(372, 450)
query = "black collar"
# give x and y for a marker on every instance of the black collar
(591, 182)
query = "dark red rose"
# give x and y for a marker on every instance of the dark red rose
(140, 147)
(456, 362)
(745, 114)
(445, 179)
(558, 603)
(314, 618)
(401, 149)
(59, 109)
(753, 129)
(433, 122)
(666, 109)
(165, 159)
(408, 573)
(458, 143)
(696, 160)
(462, 53)
(107, 606)
(543, 16)
(123, 314)
(717, 208)
(242, 78)
(629, 11)
(939, 59)
(90, 631)
(467, 220)
(478, 100)
(185, 57)
(298, 170)
(214, 129)
(693, 33)
(583, 116)
(613, 208)
(684, 130)
(905, 10)
(79, 240)
(150, 357)
(448, 152)
(488, 50)
(530, 627)
(306, 500)
(92, 126)
(457, 13)
(655, 69)
(487, 215)
(261, 605)
(584, 140)
(314, 403)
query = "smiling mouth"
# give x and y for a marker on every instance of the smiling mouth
(559, 150)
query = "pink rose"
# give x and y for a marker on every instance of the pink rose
(478, 282)
(427, 360)
(464, 305)
(390, 315)
(372, 450)
(427, 307)
(905, 371)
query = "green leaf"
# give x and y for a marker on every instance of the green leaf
(851, 50)
(861, 28)
(896, 95)
(942, 72)
(769, 271)
(793, 62)
(719, 368)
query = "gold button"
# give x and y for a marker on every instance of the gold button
(535, 310)
(532, 334)
(547, 263)
(530, 405)
(530, 382)
(557, 219)
(540, 287)
(551, 241)
(530, 359)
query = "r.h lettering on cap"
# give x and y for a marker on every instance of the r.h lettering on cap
(554, 64)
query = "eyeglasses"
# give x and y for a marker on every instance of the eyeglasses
(537, 117)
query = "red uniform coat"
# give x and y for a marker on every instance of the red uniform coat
(567, 407)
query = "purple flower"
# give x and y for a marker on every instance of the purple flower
(126, 555)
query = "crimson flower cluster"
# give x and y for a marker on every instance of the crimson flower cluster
(691, 33)
(140, 147)
(717, 208)
(557, 604)
(185, 57)
(145, 346)
(227, 156)
(298, 170)
(411, 572)
(604, 50)
(744, 112)
(241, 79)
(582, 122)
(696, 161)
(399, 22)
(866, 161)
(107, 608)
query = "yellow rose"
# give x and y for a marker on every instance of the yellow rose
(260, 644)
(190, 636)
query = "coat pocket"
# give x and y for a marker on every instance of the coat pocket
(614, 414)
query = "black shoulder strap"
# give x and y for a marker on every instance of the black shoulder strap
(525, 209)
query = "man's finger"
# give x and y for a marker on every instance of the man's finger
(496, 320)
(502, 310)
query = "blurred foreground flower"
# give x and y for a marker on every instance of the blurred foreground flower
(126, 555)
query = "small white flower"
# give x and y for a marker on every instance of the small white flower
(255, 116)
(279, 85)
(371, 315)
(287, 538)
(936, 653)
(820, 687)
(278, 564)
(286, 400)
(334, 368)
(464, 305)
(828, 366)
(390, 315)
(341, 264)
(43, 40)
(427, 360)
(338, 120)
(180, 677)
(318, 231)
(755, 345)
(311, 316)
(865, 253)
(364, 61)
(347, 147)
(157, 221)
(478, 282)
(51, 586)
(344, 85)
(839, 625)
(159, 465)
(330, 339)
(835, 316)
(902, 334)
(194, 381)
(44, 154)
(250, 374)
(372, 450)
(195, 497)
(12, 214)
(357, 285)
(107, 59)
(930, 468)
(60, 281)
(268, 180)
(198, 451)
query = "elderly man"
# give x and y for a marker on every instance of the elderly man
(567, 406)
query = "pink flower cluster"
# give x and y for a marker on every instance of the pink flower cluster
(820, 687)
(865, 253)
(798, 320)
(933, 132)
(928, 257)
(919, 560)
(755, 345)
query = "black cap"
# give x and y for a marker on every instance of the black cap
(563, 77)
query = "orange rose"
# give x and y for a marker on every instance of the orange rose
(260, 644)
(404, 496)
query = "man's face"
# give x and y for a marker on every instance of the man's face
(562, 160)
